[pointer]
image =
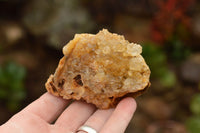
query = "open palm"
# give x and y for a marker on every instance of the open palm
(50, 114)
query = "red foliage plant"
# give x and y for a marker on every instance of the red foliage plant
(171, 14)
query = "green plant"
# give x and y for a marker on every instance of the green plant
(193, 123)
(174, 33)
(12, 90)
(177, 51)
(195, 105)
(178, 23)
(157, 61)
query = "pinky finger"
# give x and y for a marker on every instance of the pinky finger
(119, 120)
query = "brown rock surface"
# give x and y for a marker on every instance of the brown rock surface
(100, 69)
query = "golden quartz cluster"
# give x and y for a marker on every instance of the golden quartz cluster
(100, 69)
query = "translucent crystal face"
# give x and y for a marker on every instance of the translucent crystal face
(99, 69)
(105, 64)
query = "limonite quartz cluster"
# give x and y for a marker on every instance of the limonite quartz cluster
(100, 69)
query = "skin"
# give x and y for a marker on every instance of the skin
(39, 116)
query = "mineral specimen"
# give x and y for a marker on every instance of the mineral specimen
(100, 69)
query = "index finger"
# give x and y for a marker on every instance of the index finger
(47, 107)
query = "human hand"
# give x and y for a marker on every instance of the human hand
(39, 116)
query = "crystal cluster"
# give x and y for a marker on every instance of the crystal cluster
(99, 69)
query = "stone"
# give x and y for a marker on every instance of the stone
(190, 69)
(100, 69)
(57, 20)
(10, 33)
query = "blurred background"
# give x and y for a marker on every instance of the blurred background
(33, 32)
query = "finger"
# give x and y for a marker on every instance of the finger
(75, 115)
(120, 118)
(98, 119)
(47, 107)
